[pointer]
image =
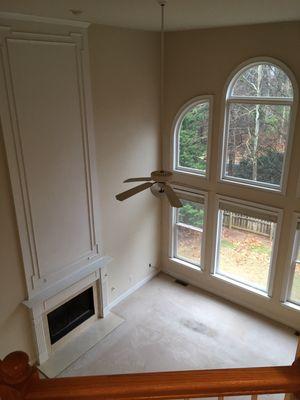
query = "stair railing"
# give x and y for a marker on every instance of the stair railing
(20, 381)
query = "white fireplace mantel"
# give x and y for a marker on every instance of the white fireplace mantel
(68, 281)
(93, 274)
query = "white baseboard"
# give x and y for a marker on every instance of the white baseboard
(131, 290)
(232, 299)
(180, 277)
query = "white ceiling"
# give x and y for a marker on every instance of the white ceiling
(145, 14)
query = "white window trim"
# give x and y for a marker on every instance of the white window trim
(175, 135)
(241, 285)
(290, 266)
(192, 195)
(216, 235)
(298, 186)
(281, 189)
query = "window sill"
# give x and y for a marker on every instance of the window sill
(290, 306)
(190, 172)
(185, 264)
(241, 285)
(250, 185)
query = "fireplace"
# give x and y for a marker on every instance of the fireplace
(71, 314)
(68, 310)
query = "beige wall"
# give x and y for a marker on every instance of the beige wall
(15, 326)
(124, 66)
(125, 88)
(199, 62)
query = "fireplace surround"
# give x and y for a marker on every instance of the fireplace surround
(93, 276)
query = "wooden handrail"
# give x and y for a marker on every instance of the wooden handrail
(157, 385)
(171, 385)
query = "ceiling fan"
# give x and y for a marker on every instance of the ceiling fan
(159, 181)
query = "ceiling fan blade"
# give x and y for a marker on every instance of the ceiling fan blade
(146, 179)
(172, 197)
(131, 192)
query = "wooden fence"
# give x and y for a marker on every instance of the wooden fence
(248, 224)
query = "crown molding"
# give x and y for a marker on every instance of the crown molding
(35, 18)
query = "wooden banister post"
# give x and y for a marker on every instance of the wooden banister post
(16, 375)
(297, 362)
(295, 396)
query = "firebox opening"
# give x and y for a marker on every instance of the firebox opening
(69, 315)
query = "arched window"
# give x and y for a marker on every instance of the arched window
(258, 115)
(191, 136)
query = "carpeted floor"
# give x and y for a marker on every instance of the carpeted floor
(171, 327)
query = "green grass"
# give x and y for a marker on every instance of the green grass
(228, 244)
(261, 249)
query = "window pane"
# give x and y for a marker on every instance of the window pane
(188, 245)
(298, 251)
(191, 213)
(257, 140)
(263, 80)
(295, 293)
(295, 289)
(192, 138)
(188, 241)
(245, 249)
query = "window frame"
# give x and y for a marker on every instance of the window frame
(187, 193)
(291, 265)
(175, 136)
(272, 211)
(229, 99)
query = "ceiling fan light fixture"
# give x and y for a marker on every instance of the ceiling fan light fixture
(158, 190)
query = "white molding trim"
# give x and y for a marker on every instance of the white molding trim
(38, 278)
(74, 262)
(44, 20)
(131, 290)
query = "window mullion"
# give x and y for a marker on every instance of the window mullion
(191, 227)
(292, 271)
(291, 279)
(260, 100)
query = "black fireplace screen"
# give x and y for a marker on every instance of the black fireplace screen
(68, 316)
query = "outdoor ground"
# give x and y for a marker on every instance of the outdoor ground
(246, 256)
(243, 255)
(189, 245)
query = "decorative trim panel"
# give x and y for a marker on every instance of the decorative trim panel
(46, 223)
